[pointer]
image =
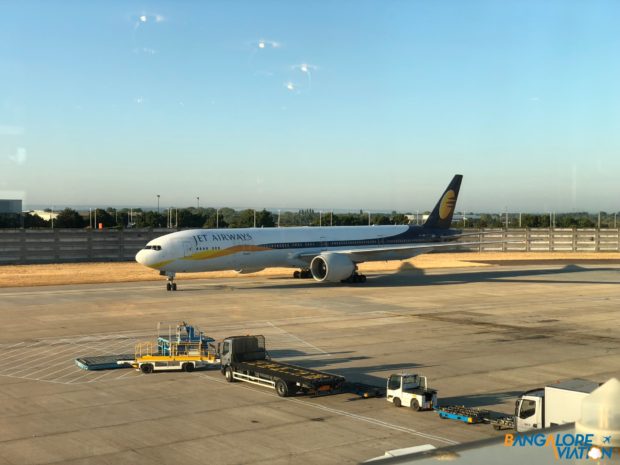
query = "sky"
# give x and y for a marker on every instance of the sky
(321, 104)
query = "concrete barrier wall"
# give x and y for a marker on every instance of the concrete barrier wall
(26, 246)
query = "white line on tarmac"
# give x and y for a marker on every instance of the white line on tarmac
(31, 291)
(26, 354)
(67, 364)
(129, 371)
(87, 372)
(298, 338)
(19, 351)
(37, 356)
(353, 416)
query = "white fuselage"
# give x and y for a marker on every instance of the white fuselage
(252, 249)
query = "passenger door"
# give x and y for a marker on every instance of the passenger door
(528, 414)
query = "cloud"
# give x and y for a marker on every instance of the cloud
(304, 67)
(139, 100)
(148, 18)
(19, 157)
(267, 43)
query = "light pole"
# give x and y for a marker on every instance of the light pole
(279, 212)
(158, 204)
(320, 218)
(368, 218)
(254, 218)
(331, 218)
(197, 203)
(217, 219)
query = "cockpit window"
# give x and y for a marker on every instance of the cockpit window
(152, 247)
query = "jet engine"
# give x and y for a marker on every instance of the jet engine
(331, 267)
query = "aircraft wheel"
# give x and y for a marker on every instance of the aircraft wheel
(174, 286)
(168, 286)
(362, 278)
(296, 274)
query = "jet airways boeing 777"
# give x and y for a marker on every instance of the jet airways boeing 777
(327, 254)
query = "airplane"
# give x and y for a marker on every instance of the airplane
(327, 254)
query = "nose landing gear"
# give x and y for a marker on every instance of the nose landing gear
(170, 285)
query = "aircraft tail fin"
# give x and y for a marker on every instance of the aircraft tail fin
(441, 216)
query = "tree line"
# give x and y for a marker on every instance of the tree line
(231, 218)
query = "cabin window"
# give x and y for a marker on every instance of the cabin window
(394, 382)
(528, 408)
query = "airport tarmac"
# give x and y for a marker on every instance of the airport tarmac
(481, 335)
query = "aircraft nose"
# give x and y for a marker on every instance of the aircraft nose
(142, 258)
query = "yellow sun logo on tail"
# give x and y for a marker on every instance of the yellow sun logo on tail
(448, 201)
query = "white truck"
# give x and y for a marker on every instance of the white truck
(410, 391)
(555, 404)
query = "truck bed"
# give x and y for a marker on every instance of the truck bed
(290, 373)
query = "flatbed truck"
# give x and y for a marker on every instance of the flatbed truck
(244, 358)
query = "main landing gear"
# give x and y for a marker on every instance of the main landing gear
(355, 278)
(302, 274)
(170, 285)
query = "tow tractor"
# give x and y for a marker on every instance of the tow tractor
(412, 391)
(184, 348)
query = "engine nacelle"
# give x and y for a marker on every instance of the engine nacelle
(331, 267)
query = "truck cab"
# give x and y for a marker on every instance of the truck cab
(410, 390)
(529, 410)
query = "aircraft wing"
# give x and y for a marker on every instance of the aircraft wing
(398, 252)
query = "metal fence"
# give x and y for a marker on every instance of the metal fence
(26, 246)
(546, 240)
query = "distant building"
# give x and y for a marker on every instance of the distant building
(44, 214)
(10, 206)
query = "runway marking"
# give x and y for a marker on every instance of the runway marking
(335, 411)
(59, 352)
(298, 338)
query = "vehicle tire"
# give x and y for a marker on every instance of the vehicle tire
(415, 405)
(174, 286)
(296, 274)
(362, 278)
(188, 367)
(228, 373)
(397, 402)
(146, 368)
(281, 388)
(168, 286)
